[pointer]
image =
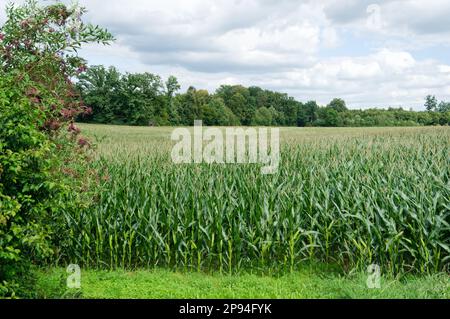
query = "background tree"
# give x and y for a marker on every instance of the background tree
(188, 107)
(338, 105)
(172, 87)
(216, 113)
(330, 116)
(443, 107)
(263, 116)
(310, 112)
(143, 101)
(430, 103)
(119, 99)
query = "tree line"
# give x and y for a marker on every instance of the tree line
(146, 99)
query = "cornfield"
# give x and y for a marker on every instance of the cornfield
(349, 197)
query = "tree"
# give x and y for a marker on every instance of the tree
(132, 98)
(172, 86)
(187, 107)
(338, 105)
(310, 112)
(263, 116)
(101, 90)
(140, 99)
(331, 117)
(443, 107)
(237, 104)
(430, 103)
(216, 113)
(238, 99)
(143, 99)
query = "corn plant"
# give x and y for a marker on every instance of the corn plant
(350, 197)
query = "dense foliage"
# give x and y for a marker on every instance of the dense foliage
(41, 151)
(144, 99)
(347, 196)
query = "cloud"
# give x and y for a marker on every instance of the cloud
(219, 36)
(371, 53)
(384, 78)
(347, 11)
(426, 22)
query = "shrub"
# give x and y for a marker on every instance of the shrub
(41, 152)
(27, 193)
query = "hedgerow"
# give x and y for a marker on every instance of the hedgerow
(42, 154)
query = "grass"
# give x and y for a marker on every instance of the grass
(350, 196)
(306, 283)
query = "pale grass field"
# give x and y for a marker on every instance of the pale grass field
(114, 139)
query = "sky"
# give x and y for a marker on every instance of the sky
(370, 53)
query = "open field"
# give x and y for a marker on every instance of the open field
(351, 197)
(137, 139)
(343, 198)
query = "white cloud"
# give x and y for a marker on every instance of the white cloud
(314, 49)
